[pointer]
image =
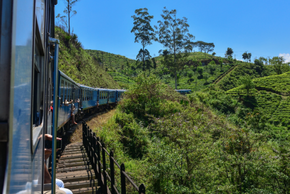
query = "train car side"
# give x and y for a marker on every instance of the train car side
(69, 96)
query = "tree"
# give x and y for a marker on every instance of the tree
(173, 33)
(204, 46)
(249, 56)
(65, 19)
(245, 55)
(144, 33)
(154, 63)
(248, 84)
(229, 52)
(279, 65)
(264, 60)
(259, 66)
(213, 54)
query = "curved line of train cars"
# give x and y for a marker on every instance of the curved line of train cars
(77, 98)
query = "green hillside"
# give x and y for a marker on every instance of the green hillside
(124, 70)
(79, 65)
(175, 144)
(270, 97)
(253, 70)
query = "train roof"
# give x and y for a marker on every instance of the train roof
(87, 87)
(67, 77)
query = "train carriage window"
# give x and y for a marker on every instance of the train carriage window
(71, 92)
(62, 91)
(37, 94)
(65, 91)
(83, 94)
(68, 90)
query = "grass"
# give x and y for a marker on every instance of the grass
(79, 65)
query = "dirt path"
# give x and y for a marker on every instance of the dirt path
(95, 121)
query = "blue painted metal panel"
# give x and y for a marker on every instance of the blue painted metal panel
(66, 92)
(90, 97)
(23, 166)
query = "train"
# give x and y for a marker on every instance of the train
(37, 100)
(78, 100)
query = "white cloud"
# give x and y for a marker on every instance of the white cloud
(286, 57)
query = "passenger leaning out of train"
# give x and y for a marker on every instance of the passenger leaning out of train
(67, 102)
(47, 177)
(73, 114)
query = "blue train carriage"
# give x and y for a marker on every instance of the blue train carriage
(26, 81)
(119, 94)
(112, 96)
(104, 96)
(184, 91)
(89, 97)
(68, 101)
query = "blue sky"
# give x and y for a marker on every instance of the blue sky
(257, 26)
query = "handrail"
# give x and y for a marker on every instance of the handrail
(97, 152)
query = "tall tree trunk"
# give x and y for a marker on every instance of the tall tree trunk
(143, 56)
(68, 19)
(175, 75)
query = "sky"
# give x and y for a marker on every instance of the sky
(260, 27)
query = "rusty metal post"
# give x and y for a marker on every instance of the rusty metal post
(112, 168)
(104, 168)
(142, 189)
(123, 179)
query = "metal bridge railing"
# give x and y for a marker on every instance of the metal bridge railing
(97, 153)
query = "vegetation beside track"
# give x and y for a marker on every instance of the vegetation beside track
(179, 144)
(79, 65)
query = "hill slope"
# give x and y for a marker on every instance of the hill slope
(270, 98)
(232, 79)
(79, 65)
(124, 70)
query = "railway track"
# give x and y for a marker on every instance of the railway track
(73, 164)
(75, 170)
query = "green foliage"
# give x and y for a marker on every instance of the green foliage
(204, 46)
(275, 83)
(144, 33)
(233, 78)
(186, 148)
(65, 19)
(79, 65)
(173, 34)
(229, 52)
(248, 84)
(279, 65)
(200, 71)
